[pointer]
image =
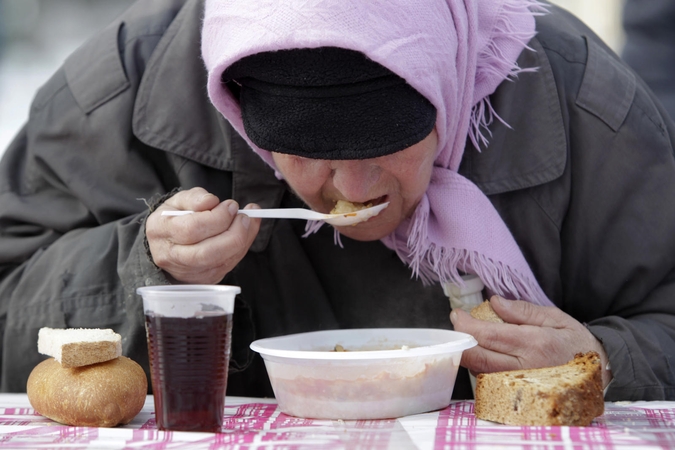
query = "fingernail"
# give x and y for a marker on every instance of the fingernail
(245, 221)
(453, 316)
(233, 208)
(501, 301)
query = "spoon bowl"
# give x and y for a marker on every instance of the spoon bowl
(340, 220)
(354, 217)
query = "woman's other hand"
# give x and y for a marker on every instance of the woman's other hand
(532, 337)
(200, 248)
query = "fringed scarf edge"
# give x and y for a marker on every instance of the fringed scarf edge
(491, 61)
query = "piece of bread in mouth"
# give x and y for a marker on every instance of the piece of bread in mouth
(346, 207)
(77, 347)
(567, 395)
(485, 312)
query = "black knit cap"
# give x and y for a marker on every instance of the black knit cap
(327, 103)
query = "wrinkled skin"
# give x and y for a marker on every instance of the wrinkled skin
(200, 248)
(509, 346)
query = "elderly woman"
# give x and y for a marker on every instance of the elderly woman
(509, 142)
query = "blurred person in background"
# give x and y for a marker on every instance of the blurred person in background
(3, 15)
(509, 141)
(650, 45)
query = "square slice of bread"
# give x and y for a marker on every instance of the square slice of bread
(568, 395)
(76, 347)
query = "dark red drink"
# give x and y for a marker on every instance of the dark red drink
(189, 359)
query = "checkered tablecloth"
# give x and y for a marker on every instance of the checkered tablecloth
(257, 423)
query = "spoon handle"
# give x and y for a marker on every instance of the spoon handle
(284, 213)
(278, 213)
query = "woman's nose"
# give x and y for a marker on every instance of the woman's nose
(355, 179)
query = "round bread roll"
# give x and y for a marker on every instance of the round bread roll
(98, 395)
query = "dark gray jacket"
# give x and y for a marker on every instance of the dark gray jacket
(585, 179)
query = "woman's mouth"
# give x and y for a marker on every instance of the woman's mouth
(346, 207)
(363, 212)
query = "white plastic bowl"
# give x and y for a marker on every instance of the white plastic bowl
(385, 372)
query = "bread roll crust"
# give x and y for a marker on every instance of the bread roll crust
(106, 394)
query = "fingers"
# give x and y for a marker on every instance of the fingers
(501, 338)
(195, 199)
(202, 247)
(525, 344)
(194, 228)
(226, 247)
(480, 360)
(522, 312)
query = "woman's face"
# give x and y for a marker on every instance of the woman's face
(400, 179)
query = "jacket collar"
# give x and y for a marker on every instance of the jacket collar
(532, 149)
(173, 113)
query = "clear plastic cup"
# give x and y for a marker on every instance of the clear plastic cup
(189, 331)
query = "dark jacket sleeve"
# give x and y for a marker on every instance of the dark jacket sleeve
(73, 190)
(618, 244)
(615, 215)
(584, 178)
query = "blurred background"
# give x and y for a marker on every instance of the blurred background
(37, 35)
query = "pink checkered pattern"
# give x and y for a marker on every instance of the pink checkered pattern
(258, 424)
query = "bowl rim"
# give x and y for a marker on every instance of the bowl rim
(457, 343)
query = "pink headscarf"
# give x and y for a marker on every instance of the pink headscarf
(455, 53)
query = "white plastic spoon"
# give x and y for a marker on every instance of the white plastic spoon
(340, 220)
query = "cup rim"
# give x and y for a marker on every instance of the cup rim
(193, 289)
